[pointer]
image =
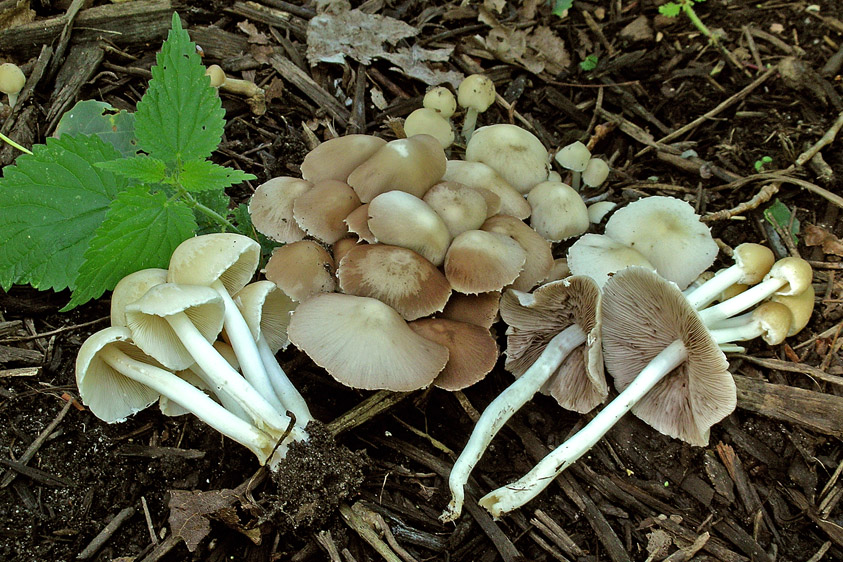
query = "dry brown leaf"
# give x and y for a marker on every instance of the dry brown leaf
(190, 513)
(536, 49)
(411, 62)
(16, 15)
(816, 236)
(548, 46)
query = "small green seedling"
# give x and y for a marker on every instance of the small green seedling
(589, 63)
(782, 218)
(672, 9)
(117, 192)
(561, 6)
(761, 163)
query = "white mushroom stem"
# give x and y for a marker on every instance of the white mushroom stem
(576, 179)
(750, 329)
(284, 388)
(514, 495)
(503, 407)
(707, 293)
(246, 348)
(737, 304)
(224, 378)
(192, 399)
(227, 401)
(469, 123)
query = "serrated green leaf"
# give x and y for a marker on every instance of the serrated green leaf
(141, 230)
(203, 175)
(51, 203)
(779, 215)
(559, 7)
(180, 117)
(141, 168)
(215, 200)
(91, 117)
(670, 9)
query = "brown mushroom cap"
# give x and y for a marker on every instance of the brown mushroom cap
(534, 319)
(402, 219)
(480, 309)
(397, 276)
(322, 209)
(472, 350)
(364, 343)
(539, 256)
(478, 261)
(342, 246)
(481, 176)
(335, 159)
(357, 222)
(642, 315)
(301, 269)
(271, 208)
(411, 165)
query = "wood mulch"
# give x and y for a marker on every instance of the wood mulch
(672, 114)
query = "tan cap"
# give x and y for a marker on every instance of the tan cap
(472, 350)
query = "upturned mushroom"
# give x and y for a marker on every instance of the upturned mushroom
(666, 365)
(752, 263)
(271, 208)
(598, 256)
(553, 341)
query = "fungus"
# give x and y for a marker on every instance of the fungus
(335, 159)
(668, 233)
(476, 94)
(481, 176)
(770, 321)
(480, 309)
(357, 223)
(514, 153)
(459, 206)
(665, 364)
(801, 307)
(364, 343)
(301, 269)
(546, 330)
(595, 173)
(558, 211)
(597, 211)
(440, 99)
(271, 208)
(574, 157)
(115, 379)
(425, 121)
(752, 263)
(131, 288)
(401, 219)
(12, 81)
(245, 88)
(539, 259)
(479, 261)
(598, 256)
(321, 210)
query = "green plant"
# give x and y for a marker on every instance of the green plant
(589, 63)
(761, 163)
(560, 6)
(117, 192)
(672, 9)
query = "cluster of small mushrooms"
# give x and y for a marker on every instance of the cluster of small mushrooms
(395, 263)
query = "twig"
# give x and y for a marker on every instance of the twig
(368, 534)
(149, 526)
(56, 331)
(35, 445)
(801, 368)
(366, 410)
(764, 194)
(103, 536)
(824, 141)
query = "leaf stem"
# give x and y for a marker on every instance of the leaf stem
(215, 216)
(9, 141)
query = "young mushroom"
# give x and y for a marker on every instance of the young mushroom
(12, 81)
(442, 100)
(476, 94)
(666, 365)
(574, 157)
(546, 331)
(515, 153)
(425, 121)
(595, 173)
(245, 88)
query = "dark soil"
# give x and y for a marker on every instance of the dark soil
(767, 488)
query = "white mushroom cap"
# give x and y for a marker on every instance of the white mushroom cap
(301, 269)
(401, 219)
(364, 343)
(539, 255)
(397, 276)
(201, 260)
(481, 176)
(411, 165)
(322, 209)
(472, 350)
(574, 156)
(559, 212)
(131, 288)
(478, 261)
(12, 81)
(598, 256)
(514, 153)
(335, 159)
(460, 207)
(271, 208)
(598, 210)
(266, 309)
(595, 173)
(668, 233)
(425, 121)
(476, 92)
(440, 99)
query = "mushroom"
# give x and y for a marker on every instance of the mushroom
(440, 99)
(788, 277)
(514, 153)
(131, 288)
(301, 269)
(364, 343)
(459, 206)
(558, 211)
(425, 121)
(539, 259)
(271, 208)
(480, 309)
(801, 306)
(267, 310)
(321, 210)
(665, 364)
(553, 341)
(752, 263)
(668, 233)
(479, 261)
(476, 94)
(598, 256)
(397, 276)
(245, 88)
(12, 81)
(357, 223)
(226, 262)
(481, 176)
(176, 324)
(116, 379)
(402, 219)
(770, 321)
(595, 173)
(412, 165)
(335, 159)
(574, 157)
(597, 211)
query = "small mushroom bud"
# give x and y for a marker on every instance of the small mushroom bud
(440, 99)
(219, 80)
(12, 81)
(476, 93)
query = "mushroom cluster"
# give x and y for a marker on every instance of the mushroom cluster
(164, 343)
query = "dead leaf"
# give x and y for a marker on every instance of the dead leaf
(255, 36)
(351, 33)
(536, 49)
(190, 513)
(16, 15)
(494, 5)
(550, 47)
(658, 544)
(411, 62)
(816, 236)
